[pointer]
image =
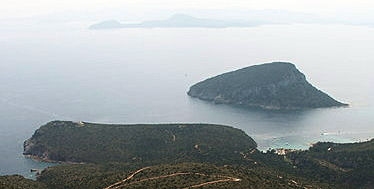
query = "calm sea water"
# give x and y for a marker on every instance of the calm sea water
(142, 76)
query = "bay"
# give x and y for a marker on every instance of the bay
(142, 76)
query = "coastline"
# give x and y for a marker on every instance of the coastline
(263, 107)
(46, 160)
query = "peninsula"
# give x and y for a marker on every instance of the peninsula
(275, 86)
(185, 156)
(67, 141)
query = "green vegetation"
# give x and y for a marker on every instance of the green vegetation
(18, 182)
(349, 164)
(145, 144)
(276, 85)
(185, 156)
(183, 175)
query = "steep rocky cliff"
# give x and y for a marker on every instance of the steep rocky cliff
(277, 85)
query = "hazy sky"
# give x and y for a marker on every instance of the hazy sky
(25, 8)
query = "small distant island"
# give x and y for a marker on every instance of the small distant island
(109, 156)
(272, 86)
(175, 21)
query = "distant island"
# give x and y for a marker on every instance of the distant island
(108, 156)
(175, 21)
(273, 86)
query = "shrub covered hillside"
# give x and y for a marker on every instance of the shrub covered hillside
(277, 85)
(183, 175)
(349, 164)
(18, 182)
(186, 156)
(163, 143)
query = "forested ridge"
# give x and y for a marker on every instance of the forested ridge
(185, 156)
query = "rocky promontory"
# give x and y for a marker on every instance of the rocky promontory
(276, 86)
(186, 156)
(67, 141)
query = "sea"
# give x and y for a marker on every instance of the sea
(141, 75)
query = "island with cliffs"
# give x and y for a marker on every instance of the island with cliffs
(273, 86)
(108, 156)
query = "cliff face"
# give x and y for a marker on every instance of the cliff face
(276, 85)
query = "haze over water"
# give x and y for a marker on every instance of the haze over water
(142, 76)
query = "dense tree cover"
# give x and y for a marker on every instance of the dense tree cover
(81, 176)
(349, 164)
(276, 85)
(96, 143)
(91, 176)
(19, 182)
(207, 156)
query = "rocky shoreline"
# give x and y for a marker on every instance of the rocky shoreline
(40, 154)
(271, 86)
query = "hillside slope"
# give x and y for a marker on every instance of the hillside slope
(276, 85)
(185, 156)
(158, 143)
